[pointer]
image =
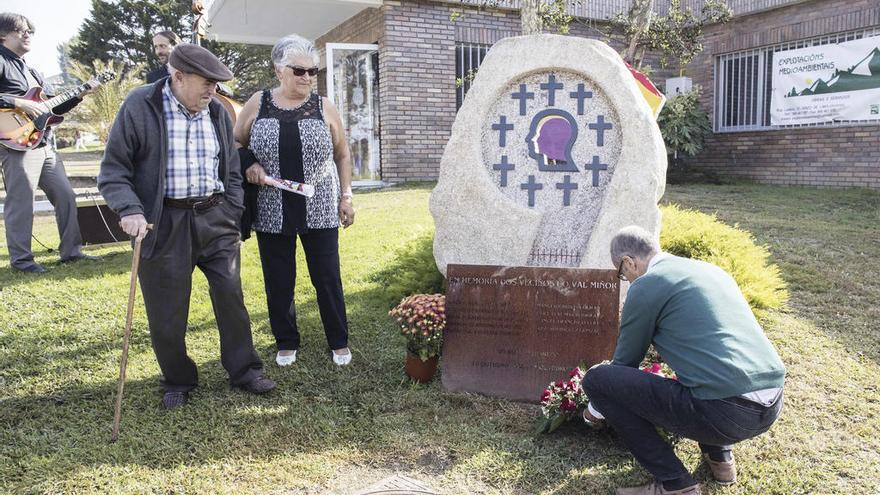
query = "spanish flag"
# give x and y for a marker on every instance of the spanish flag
(652, 95)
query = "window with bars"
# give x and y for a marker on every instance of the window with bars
(468, 57)
(743, 84)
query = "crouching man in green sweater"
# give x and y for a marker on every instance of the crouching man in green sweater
(730, 378)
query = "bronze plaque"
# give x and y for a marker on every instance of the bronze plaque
(512, 330)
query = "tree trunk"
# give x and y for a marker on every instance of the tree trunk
(640, 16)
(531, 20)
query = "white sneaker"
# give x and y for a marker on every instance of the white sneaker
(341, 359)
(285, 360)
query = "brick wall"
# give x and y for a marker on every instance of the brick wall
(416, 88)
(843, 156)
(417, 83)
(417, 73)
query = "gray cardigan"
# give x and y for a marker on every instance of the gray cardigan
(132, 176)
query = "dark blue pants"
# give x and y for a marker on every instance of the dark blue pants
(635, 403)
(278, 257)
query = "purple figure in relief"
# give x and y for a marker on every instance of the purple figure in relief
(551, 137)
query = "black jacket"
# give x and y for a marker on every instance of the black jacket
(14, 82)
(132, 176)
(157, 73)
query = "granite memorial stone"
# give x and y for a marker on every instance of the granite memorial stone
(553, 151)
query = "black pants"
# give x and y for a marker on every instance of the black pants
(278, 257)
(634, 402)
(208, 239)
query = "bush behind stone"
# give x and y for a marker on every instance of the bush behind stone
(684, 232)
(691, 234)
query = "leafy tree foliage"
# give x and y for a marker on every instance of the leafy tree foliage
(122, 31)
(98, 110)
(676, 36)
(536, 15)
(684, 124)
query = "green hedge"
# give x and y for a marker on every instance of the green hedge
(686, 233)
(413, 271)
(692, 234)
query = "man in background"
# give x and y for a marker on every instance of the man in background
(163, 44)
(24, 171)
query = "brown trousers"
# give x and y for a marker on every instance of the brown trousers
(209, 239)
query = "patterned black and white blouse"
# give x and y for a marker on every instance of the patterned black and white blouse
(295, 144)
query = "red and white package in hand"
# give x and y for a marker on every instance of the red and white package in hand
(306, 190)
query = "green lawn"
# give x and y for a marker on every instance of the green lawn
(339, 430)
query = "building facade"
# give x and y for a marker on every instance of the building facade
(744, 143)
(392, 69)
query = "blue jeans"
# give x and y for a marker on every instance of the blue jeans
(635, 403)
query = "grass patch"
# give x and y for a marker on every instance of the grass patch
(338, 430)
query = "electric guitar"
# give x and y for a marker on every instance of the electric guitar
(20, 132)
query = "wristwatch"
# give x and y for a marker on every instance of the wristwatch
(347, 195)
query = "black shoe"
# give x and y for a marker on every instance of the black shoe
(259, 385)
(34, 268)
(81, 257)
(174, 399)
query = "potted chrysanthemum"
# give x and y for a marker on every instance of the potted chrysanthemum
(422, 319)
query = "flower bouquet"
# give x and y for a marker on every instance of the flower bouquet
(422, 319)
(562, 400)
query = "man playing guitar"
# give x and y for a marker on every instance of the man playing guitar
(24, 170)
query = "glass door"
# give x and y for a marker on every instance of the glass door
(353, 86)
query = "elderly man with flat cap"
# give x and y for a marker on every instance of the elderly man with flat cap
(170, 161)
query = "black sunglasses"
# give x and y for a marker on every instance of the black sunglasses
(301, 71)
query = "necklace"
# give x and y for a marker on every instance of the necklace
(285, 107)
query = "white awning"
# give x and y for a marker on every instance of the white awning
(265, 21)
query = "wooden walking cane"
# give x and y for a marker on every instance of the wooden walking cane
(123, 362)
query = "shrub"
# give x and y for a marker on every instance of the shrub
(692, 234)
(685, 233)
(684, 124)
(413, 271)
(97, 111)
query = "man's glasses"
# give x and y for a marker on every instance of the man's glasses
(22, 32)
(301, 71)
(620, 274)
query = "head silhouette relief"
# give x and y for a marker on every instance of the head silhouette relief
(551, 138)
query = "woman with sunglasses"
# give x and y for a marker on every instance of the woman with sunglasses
(291, 132)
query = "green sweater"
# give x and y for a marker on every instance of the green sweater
(702, 326)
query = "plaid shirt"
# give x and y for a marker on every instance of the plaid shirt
(193, 151)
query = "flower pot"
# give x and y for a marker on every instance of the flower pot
(418, 370)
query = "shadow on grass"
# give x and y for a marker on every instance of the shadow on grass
(317, 409)
(112, 263)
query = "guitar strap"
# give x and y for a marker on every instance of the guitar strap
(31, 80)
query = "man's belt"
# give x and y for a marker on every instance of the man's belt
(198, 204)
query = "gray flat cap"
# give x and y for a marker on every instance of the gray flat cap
(193, 59)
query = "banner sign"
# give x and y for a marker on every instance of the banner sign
(826, 83)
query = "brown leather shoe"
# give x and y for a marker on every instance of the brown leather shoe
(656, 488)
(259, 385)
(723, 472)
